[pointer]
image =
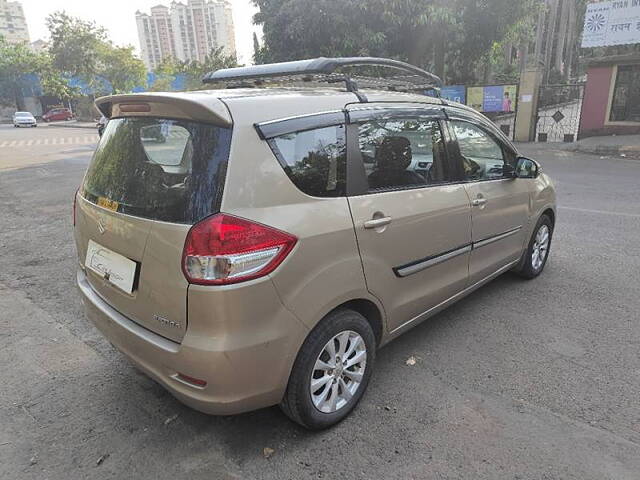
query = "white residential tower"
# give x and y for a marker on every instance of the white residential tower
(185, 31)
(13, 25)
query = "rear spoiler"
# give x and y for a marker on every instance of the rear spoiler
(195, 106)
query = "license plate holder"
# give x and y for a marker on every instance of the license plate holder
(112, 267)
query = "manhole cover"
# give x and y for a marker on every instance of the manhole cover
(558, 116)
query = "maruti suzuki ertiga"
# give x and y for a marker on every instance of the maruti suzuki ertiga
(249, 247)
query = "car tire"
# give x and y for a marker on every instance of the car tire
(351, 335)
(538, 249)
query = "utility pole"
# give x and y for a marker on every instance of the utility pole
(550, 37)
(571, 41)
(559, 63)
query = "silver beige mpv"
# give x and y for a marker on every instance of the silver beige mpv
(252, 246)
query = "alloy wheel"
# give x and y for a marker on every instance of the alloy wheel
(338, 371)
(540, 247)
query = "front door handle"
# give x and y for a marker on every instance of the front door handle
(479, 202)
(377, 223)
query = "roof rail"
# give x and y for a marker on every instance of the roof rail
(322, 67)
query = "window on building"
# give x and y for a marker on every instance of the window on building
(625, 106)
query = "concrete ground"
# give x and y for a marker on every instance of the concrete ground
(611, 145)
(521, 380)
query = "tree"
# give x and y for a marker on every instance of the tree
(16, 61)
(80, 48)
(257, 50)
(451, 37)
(120, 67)
(193, 70)
(165, 73)
(75, 45)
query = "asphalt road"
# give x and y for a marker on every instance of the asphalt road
(521, 380)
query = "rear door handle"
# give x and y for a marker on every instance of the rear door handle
(478, 202)
(377, 223)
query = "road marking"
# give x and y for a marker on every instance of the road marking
(602, 212)
(86, 139)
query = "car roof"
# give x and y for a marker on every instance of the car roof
(23, 113)
(273, 103)
(256, 105)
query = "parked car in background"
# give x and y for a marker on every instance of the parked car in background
(24, 119)
(58, 114)
(255, 246)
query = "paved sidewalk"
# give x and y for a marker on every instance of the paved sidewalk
(613, 145)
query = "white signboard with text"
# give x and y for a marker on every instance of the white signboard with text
(615, 22)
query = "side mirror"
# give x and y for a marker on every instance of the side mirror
(526, 168)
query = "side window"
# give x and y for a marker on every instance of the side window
(402, 153)
(314, 160)
(482, 156)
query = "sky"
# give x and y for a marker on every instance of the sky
(118, 17)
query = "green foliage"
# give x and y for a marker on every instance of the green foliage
(75, 44)
(451, 37)
(169, 68)
(120, 67)
(18, 60)
(81, 48)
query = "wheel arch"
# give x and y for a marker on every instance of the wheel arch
(369, 311)
(551, 214)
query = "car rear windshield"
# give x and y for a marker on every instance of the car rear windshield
(160, 169)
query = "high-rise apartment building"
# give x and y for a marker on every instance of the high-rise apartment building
(185, 31)
(13, 25)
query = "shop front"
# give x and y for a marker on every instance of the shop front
(612, 97)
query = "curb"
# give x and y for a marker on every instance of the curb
(72, 125)
(626, 151)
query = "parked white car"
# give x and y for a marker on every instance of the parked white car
(24, 119)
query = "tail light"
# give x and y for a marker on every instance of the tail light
(223, 249)
(75, 196)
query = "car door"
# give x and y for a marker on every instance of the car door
(500, 204)
(412, 222)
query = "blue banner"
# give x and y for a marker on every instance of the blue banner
(455, 93)
(492, 99)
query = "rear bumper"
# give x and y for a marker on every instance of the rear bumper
(242, 374)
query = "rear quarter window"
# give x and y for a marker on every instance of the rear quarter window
(314, 160)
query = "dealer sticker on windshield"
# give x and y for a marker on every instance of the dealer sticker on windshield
(111, 266)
